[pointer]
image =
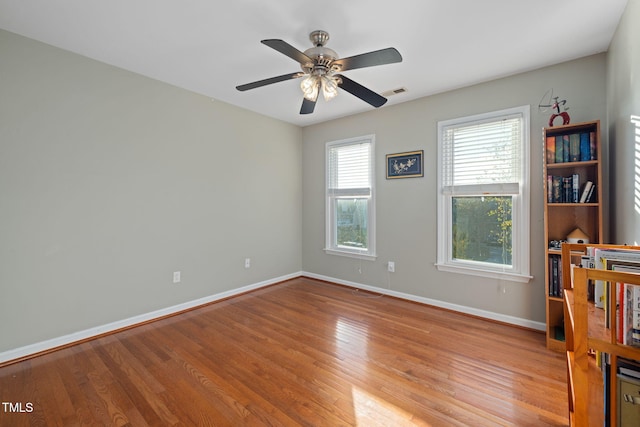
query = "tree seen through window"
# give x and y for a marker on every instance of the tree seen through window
(482, 229)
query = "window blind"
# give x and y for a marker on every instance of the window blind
(349, 172)
(482, 156)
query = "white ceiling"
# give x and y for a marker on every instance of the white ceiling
(210, 46)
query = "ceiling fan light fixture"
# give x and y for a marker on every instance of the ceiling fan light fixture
(313, 83)
(310, 86)
(329, 86)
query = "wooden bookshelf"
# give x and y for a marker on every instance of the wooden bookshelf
(590, 340)
(562, 216)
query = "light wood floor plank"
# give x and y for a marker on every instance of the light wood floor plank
(303, 352)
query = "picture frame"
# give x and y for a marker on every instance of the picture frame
(405, 165)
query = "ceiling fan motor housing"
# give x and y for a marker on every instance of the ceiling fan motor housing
(322, 56)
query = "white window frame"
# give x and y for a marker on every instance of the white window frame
(519, 271)
(331, 246)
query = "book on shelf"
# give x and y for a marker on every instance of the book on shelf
(555, 276)
(629, 367)
(572, 147)
(562, 148)
(551, 149)
(606, 392)
(568, 189)
(590, 197)
(604, 259)
(558, 333)
(588, 261)
(625, 320)
(627, 306)
(555, 183)
(586, 190)
(585, 147)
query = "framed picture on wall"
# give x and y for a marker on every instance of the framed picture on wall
(405, 165)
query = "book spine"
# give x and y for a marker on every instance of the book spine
(629, 372)
(586, 261)
(551, 149)
(620, 312)
(634, 316)
(585, 191)
(559, 149)
(557, 189)
(567, 189)
(629, 367)
(560, 288)
(599, 291)
(555, 276)
(590, 196)
(574, 147)
(585, 147)
(566, 147)
(627, 314)
(592, 145)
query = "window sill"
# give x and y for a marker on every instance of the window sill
(350, 254)
(512, 277)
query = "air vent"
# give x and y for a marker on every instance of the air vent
(394, 92)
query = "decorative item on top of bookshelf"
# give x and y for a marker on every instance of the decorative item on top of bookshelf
(405, 165)
(549, 101)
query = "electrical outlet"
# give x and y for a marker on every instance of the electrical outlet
(176, 277)
(391, 267)
(247, 262)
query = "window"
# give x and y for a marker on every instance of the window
(483, 195)
(350, 227)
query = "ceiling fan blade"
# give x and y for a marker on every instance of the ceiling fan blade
(269, 81)
(378, 57)
(356, 89)
(308, 106)
(286, 49)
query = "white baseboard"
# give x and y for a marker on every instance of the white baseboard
(32, 349)
(53, 343)
(518, 321)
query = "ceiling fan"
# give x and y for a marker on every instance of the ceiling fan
(321, 70)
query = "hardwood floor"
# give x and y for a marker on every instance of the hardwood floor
(303, 352)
